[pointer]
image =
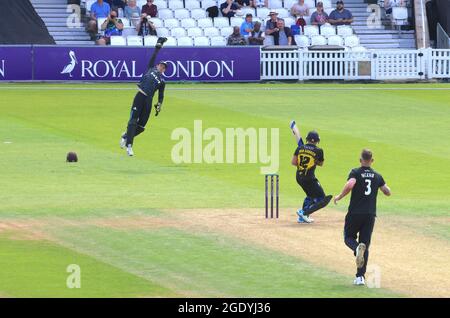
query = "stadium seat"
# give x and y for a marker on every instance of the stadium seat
(126, 22)
(327, 30)
(236, 21)
(282, 12)
(268, 40)
(171, 23)
(245, 10)
(198, 14)
(400, 15)
(192, 4)
(288, 21)
(171, 41)
(226, 31)
(335, 40)
(344, 30)
(311, 30)
(118, 40)
(301, 40)
(181, 14)
(188, 23)
(220, 22)
(100, 22)
(175, 4)
(134, 40)
(311, 5)
(201, 41)
(89, 4)
(160, 4)
(328, 10)
(318, 40)
(184, 41)
(208, 3)
(140, 3)
(165, 14)
(212, 31)
(275, 4)
(205, 23)
(194, 32)
(218, 41)
(359, 49)
(163, 32)
(178, 32)
(262, 12)
(289, 3)
(327, 4)
(129, 31)
(157, 22)
(351, 41)
(150, 40)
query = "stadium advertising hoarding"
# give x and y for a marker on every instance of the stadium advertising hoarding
(15, 63)
(50, 63)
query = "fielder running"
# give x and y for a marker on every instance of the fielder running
(364, 183)
(306, 158)
(150, 82)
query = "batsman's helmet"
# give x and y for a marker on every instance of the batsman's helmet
(313, 136)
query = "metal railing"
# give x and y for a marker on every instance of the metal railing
(367, 65)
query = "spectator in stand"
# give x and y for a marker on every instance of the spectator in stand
(340, 15)
(116, 4)
(99, 9)
(229, 8)
(145, 26)
(132, 12)
(284, 35)
(150, 9)
(112, 27)
(244, 3)
(248, 25)
(236, 38)
(260, 3)
(389, 4)
(271, 24)
(256, 36)
(300, 10)
(319, 17)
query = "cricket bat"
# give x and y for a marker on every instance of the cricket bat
(296, 133)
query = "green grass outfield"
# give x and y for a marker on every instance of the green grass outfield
(406, 125)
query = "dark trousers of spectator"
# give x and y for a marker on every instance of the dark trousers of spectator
(358, 228)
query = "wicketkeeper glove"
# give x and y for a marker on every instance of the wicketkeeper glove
(158, 108)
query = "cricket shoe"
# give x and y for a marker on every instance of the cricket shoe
(360, 250)
(130, 151)
(359, 281)
(123, 141)
(302, 218)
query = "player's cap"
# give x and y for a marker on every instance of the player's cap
(339, 2)
(313, 136)
(163, 63)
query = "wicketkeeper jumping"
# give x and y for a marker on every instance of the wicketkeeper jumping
(150, 82)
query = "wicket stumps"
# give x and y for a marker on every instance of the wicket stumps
(277, 179)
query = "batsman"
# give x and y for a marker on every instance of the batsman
(150, 82)
(306, 158)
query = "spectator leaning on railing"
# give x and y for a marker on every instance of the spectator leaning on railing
(132, 12)
(340, 15)
(248, 25)
(256, 36)
(150, 9)
(284, 35)
(145, 26)
(99, 9)
(229, 8)
(319, 17)
(112, 27)
(236, 38)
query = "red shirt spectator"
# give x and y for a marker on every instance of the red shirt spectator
(150, 9)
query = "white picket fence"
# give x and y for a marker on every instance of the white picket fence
(368, 65)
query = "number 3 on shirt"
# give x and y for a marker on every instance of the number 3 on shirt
(368, 188)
